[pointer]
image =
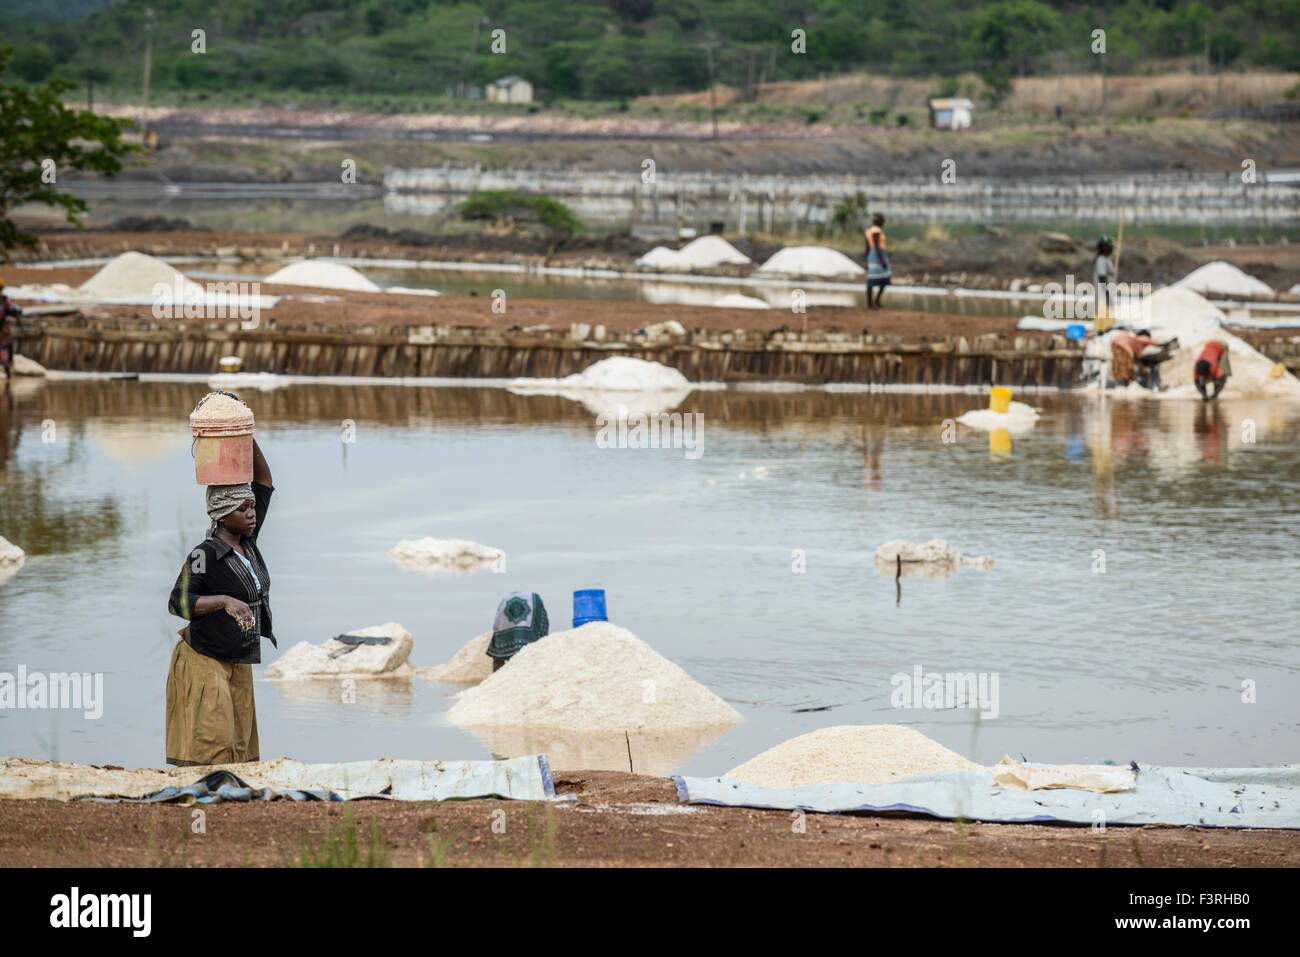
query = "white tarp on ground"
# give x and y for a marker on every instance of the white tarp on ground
(524, 778)
(1184, 797)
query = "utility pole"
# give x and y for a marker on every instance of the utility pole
(713, 100)
(148, 64)
(473, 53)
(1105, 111)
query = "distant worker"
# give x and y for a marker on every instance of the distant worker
(7, 347)
(520, 620)
(1212, 366)
(1138, 356)
(878, 274)
(1103, 280)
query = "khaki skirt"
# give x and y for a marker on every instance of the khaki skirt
(211, 718)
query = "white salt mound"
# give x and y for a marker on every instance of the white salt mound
(1223, 279)
(735, 300)
(711, 251)
(597, 678)
(624, 374)
(133, 276)
(811, 261)
(470, 665)
(25, 366)
(933, 559)
(444, 554)
(661, 257)
(412, 291)
(1019, 417)
(12, 558)
(323, 274)
(305, 661)
(854, 754)
(1182, 313)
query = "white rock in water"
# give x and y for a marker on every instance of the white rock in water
(444, 554)
(305, 661)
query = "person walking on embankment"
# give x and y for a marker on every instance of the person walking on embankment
(223, 591)
(878, 272)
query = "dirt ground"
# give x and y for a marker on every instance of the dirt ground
(618, 820)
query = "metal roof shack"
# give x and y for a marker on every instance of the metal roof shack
(951, 113)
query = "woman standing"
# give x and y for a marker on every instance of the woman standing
(223, 590)
(878, 272)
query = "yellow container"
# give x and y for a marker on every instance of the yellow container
(999, 399)
(999, 442)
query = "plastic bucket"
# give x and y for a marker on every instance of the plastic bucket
(223, 461)
(999, 399)
(588, 606)
(999, 442)
(1076, 331)
(223, 441)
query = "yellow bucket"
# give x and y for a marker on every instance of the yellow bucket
(999, 442)
(999, 399)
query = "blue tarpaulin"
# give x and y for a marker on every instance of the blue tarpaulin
(1197, 797)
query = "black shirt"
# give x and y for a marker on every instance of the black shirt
(214, 568)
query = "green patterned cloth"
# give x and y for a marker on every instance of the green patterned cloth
(520, 620)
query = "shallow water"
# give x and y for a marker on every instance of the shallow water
(1145, 660)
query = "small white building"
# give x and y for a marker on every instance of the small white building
(510, 89)
(951, 113)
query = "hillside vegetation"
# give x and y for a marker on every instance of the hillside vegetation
(411, 54)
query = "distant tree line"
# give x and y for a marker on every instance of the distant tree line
(618, 49)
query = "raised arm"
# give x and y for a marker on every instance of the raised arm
(261, 471)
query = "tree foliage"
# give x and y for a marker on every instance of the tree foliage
(39, 138)
(510, 209)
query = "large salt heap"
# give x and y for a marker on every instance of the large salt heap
(139, 277)
(811, 261)
(1223, 279)
(323, 274)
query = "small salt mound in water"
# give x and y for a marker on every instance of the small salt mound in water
(334, 658)
(735, 300)
(12, 558)
(323, 274)
(1018, 418)
(615, 374)
(22, 365)
(135, 275)
(811, 261)
(1224, 279)
(855, 754)
(597, 678)
(470, 665)
(933, 559)
(456, 555)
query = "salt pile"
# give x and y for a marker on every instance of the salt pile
(854, 754)
(22, 365)
(639, 384)
(596, 679)
(135, 275)
(335, 658)
(1223, 279)
(933, 559)
(470, 665)
(735, 300)
(811, 261)
(323, 274)
(1019, 417)
(455, 555)
(698, 254)
(1176, 312)
(12, 558)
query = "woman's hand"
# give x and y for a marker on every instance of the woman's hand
(239, 611)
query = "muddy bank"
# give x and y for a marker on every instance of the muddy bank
(618, 820)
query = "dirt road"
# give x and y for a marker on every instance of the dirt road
(617, 820)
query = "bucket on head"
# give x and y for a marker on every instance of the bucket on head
(223, 440)
(588, 606)
(999, 399)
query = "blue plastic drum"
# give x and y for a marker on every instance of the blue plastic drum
(588, 606)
